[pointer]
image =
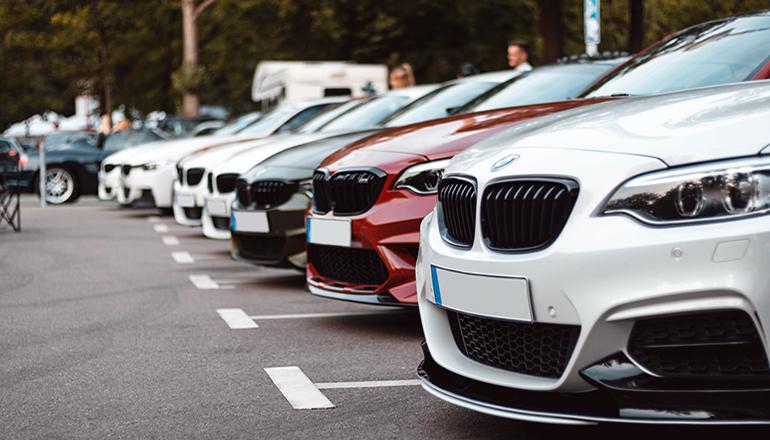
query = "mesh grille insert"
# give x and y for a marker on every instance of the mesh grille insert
(528, 348)
(714, 344)
(348, 265)
(260, 247)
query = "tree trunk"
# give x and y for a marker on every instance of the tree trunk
(636, 28)
(551, 30)
(105, 77)
(190, 55)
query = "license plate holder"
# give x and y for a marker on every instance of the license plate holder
(255, 221)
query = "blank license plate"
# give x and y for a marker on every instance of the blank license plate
(492, 296)
(216, 207)
(185, 200)
(334, 232)
(250, 221)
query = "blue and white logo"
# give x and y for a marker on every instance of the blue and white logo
(505, 161)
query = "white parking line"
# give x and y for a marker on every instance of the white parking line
(153, 219)
(368, 384)
(182, 257)
(324, 315)
(160, 227)
(297, 388)
(204, 282)
(170, 240)
(237, 319)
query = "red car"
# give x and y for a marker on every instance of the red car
(369, 198)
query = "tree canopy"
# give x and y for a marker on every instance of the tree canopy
(52, 50)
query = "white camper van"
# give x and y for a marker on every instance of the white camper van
(293, 81)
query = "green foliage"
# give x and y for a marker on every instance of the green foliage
(51, 50)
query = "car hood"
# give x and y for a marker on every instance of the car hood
(260, 150)
(176, 149)
(677, 128)
(298, 163)
(446, 137)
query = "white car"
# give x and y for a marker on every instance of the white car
(147, 178)
(608, 263)
(215, 216)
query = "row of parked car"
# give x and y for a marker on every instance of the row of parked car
(586, 242)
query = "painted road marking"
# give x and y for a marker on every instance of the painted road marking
(170, 240)
(153, 219)
(204, 282)
(160, 227)
(237, 319)
(182, 257)
(325, 315)
(297, 388)
(368, 384)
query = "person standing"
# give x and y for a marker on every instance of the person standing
(401, 76)
(518, 55)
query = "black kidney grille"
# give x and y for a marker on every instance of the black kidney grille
(528, 348)
(109, 167)
(226, 183)
(125, 170)
(210, 183)
(321, 202)
(271, 193)
(194, 176)
(348, 265)
(523, 215)
(354, 192)
(242, 192)
(180, 173)
(722, 344)
(458, 209)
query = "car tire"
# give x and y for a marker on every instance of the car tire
(62, 186)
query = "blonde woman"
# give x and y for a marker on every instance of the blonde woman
(401, 76)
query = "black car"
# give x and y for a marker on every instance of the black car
(73, 160)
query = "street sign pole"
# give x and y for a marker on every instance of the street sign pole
(592, 26)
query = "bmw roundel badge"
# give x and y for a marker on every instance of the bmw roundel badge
(505, 161)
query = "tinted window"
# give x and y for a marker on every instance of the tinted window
(368, 114)
(269, 120)
(129, 138)
(329, 115)
(238, 125)
(440, 103)
(69, 139)
(545, 84)
(304, 117)
(5, 146)
(708, 54)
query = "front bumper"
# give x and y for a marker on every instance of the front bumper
(109, 184)
(390, 228)
(216, 215)
(283, 245)
(604, 275)
(188, 203)
(139, 183)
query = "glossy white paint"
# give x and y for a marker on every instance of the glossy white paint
(603, 272)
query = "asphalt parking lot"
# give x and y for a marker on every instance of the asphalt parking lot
(120, 323)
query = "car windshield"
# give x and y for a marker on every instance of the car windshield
(129, 138)
(440, 103)
(544, 84)
(366, 115)
(238, 124)
(69, 139)
(712, 53)
(324, 118)
(270, 120)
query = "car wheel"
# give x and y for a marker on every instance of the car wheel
(60, 186)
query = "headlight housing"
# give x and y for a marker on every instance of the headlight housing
(422, 178)
(306, 187)
(152, 166)
(725, 190)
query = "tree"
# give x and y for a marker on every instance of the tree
(636, 25)
(551, 30)
(191, 73)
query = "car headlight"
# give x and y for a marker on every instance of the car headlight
(152, 166)
(422, 178)
(718, 191)
(306, 187)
